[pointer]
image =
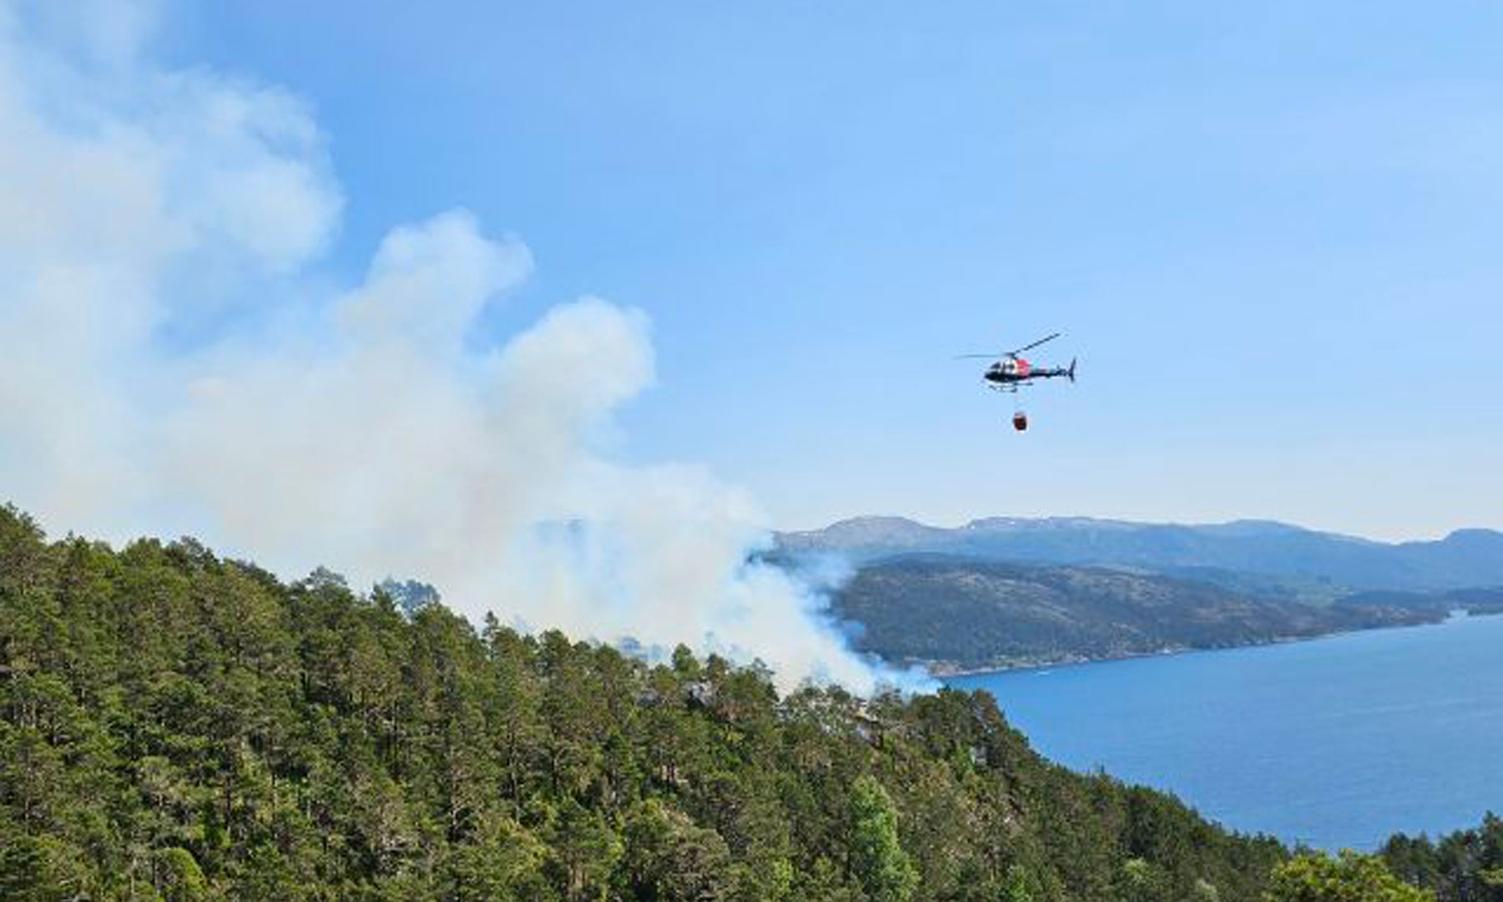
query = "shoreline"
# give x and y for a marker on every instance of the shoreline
(939, 671)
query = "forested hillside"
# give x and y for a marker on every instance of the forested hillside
(174, 725)
(960, 613)
(1473, 601)
(1464, 866)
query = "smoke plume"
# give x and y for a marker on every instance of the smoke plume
(175, 360)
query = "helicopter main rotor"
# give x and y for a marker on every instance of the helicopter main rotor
(1010, 354)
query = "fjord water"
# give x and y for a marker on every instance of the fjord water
(1336, 742)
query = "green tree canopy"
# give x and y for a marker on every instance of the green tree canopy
(1348, 877)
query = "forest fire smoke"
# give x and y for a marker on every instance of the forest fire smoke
(177, 362)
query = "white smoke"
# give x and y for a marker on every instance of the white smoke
(174, 362)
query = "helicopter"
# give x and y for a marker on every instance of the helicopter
(1012, 371)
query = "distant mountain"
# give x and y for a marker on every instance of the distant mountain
(1238, 554)
(890, 534)
(952, 613)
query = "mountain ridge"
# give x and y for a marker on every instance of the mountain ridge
(1079, 520)
(1463, 558)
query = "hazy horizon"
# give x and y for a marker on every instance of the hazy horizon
(957, 524)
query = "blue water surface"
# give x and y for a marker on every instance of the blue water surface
(1336, 742)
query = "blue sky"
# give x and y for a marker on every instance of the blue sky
(1270, 232)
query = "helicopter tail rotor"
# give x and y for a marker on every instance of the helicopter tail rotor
(1071, 371)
